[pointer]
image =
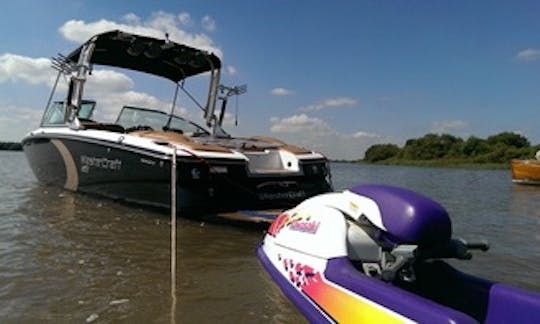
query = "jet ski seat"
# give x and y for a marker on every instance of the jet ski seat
(408, 217)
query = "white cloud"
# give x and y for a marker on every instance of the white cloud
(329, 103)
(300, 124)
(110, 88)
(529, 54)
(447, 126)
(113, 90)
(108, 81)
(185, 18)
(231, 70)
(16, 68)
(109, 104)
(16, 121)
(208, 23)
(131, 18)
(157, 25)
(281, 92)
(317, 134)
(161, 21)
(361, 134)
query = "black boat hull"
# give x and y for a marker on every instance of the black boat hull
(142, 176)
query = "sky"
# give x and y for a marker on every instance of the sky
(334, 76)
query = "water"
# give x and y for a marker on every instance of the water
(67, 257)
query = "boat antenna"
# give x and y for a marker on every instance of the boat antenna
(236, 111)
(226, 93)
(64, 66)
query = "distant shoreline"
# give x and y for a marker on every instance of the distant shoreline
(448, 151)
(433, 164)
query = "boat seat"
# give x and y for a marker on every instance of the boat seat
(282, 145)
(408, 217)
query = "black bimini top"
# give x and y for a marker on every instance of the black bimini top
(146, 54)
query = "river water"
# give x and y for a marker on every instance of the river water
(67, 257)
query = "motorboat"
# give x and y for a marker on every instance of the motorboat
(131, 159)
(375, 254)
(526, 171)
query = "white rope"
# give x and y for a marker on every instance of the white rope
(173, 237)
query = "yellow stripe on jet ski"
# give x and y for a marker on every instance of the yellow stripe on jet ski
(346, 307)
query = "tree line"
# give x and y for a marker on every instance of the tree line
(10, 146)
(496, 149)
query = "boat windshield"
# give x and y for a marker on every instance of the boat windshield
(136, 117)
(54, 114)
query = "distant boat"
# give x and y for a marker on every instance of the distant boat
(526, 171)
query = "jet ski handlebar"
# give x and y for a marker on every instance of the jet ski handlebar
(457, 248)
(480, 245)
(404, 256)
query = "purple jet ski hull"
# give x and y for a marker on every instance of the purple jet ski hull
(307, 252)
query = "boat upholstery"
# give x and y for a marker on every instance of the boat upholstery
(174, 137)
(89, 124)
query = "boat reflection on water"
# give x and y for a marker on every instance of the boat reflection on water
(525, 199)
(525, 202)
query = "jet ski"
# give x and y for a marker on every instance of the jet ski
(374, 254)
